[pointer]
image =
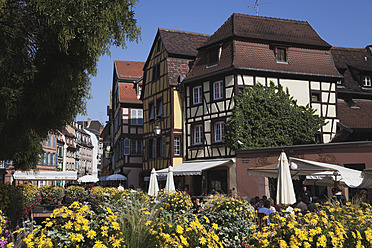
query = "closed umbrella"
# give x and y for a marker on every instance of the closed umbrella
(285, 192)
(88, 179)
(153, 186)
(116, 177)
(169, 185)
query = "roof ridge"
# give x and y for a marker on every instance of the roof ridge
(271, 18)
(182, 31)
(347, 48)
(130, 61)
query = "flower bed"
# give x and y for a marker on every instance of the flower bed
(112, 218)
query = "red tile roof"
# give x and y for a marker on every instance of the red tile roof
(129, 70)
(248, 42)
(355, 117)
(268, 30)
(181, 43)
(347, 59)
(260, 57)
(127, 93)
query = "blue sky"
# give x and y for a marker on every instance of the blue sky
(342, 23)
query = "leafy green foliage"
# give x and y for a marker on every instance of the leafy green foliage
(269, 117)
(48, 51)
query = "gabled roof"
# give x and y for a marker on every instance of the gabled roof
(181, 43)
(268, 30)
(128, 70)
(351, 62)
(260, 57)
(127, 93)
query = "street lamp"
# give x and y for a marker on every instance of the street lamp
(157, 128)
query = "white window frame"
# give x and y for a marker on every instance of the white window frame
(198, 135)
(217, 90)
(126, 146)
(218, 129)
(367, 81)
(136, 116)
(177, 145)
(196, 95)
(139, 91)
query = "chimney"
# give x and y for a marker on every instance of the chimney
(89, 120)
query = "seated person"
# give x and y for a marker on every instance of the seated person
(265, 209)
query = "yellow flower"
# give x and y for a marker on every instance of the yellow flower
(91, 234)
(214, 226)
(115, 225)
(179, 229)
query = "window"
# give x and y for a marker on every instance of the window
(139, 91)
(126, 146)
(154, 148)
(47, 158)
(217, 90)
(213, 56)
(196, 95)
(218, 128)
(156, 72)
(315, 97)
(177, 145)
(49, 140)
(198, 132)
(136, 116)
(281, 54)
(159, 106)
(136, 147)
(147, 149)
(163, 146)
(367, 81)
(151, 109)
(54, 141)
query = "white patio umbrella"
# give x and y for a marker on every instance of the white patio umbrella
(153, 185)
(169, 185)
(285, 192)
(88, 179)
(116, 177)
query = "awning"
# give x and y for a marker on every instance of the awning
(195, 168)
(45, 175)
(316, 173)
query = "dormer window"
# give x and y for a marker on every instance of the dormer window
(367, 81)
(213, 56)
(281, 54)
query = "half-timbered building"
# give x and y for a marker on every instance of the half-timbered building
(170, 56)
(244, 51)
(127, 119)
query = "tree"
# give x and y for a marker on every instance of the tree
(269, 117)
(48, 51)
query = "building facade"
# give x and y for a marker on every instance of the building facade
(127, 120)
(169, 59)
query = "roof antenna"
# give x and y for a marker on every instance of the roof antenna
(255, 6)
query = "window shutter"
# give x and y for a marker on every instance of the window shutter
(126, 146)
(154, 148)
(163, 145)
